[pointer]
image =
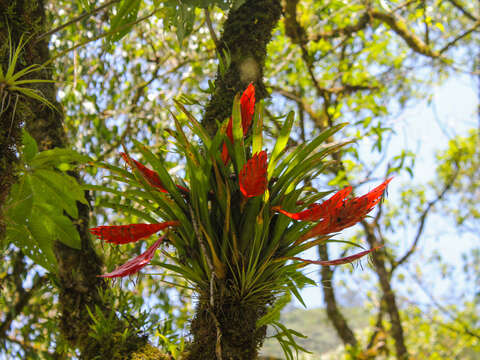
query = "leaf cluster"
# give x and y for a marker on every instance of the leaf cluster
(42, 206)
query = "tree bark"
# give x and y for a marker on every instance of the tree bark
(334, 315)
(246, 33)
(384, 279)
(228, 328)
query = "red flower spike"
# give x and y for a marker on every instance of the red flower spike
(247, 106)
(341, 261)
(316, 212)
(253, 176)
(136, 264)
(150, 176)
(347, 213)
(124, 234)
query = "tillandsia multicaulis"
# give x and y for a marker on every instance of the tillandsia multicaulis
(238, 220)
(241, 216)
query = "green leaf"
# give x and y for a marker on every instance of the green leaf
(23, 237)
(257, 131)
(238, 144)
(30, 148)
(65, 185)
(47, 192)
(281, 143)
(162, 172)
(65, 231)
(127, 12)
(273, 313)
(58, 156)
(19, 205)
(42, 230)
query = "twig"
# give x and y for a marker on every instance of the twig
(102, 35)
(77, 19)
(423, 219)
(463, 10)
(459, 37)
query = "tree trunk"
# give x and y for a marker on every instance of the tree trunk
(388, 294)
(333, 313)
(230, 330)
(246, 33)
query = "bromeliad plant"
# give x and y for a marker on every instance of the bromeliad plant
(238, 223)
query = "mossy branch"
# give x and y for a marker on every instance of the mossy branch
(246, 33)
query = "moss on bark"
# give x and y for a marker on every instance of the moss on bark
(246, 33)
(238, 338)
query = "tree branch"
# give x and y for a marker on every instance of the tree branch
(401, 29)
(460, 36)
(333, 312)
(76, 19)
(463, 10)
(423, 219)
(378, 258)
(247, 31)
(361, 24)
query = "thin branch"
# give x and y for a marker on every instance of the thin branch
(423, 219)
(23, 298)
(102, 35)
(361, 24)
(459, 37)
(333, 312)
(443, 309)
(77, 19)
(463, 10)
(29, 347)
(401, 29)
(378, 325)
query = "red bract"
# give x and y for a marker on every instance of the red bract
(316, 212)
(347, 213)
(134, 265)
(247, 105)
(340, 261)
(150, 176)
(253, 176)
(124, 234)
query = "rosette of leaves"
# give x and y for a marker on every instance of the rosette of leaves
(234, 239)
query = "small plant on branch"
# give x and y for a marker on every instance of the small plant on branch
(238, 221)
(12, 82)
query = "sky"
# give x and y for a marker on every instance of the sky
(423, 129)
